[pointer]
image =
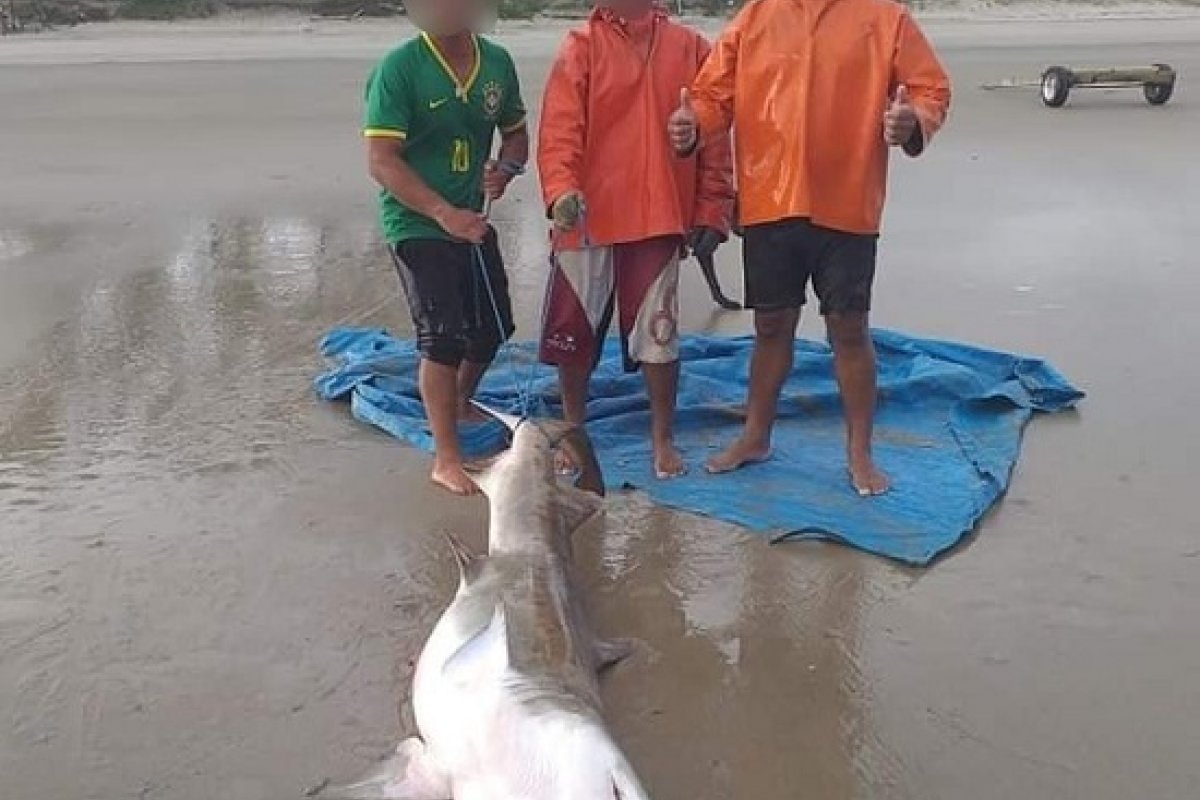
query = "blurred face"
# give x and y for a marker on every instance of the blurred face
(632, 9)
(450, 17)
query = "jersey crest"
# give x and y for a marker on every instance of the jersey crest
(493, 99)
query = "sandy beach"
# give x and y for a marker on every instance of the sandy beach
(212, 586)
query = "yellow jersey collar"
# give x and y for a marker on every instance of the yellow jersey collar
(461, 88)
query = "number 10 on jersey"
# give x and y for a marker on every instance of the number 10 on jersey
(460, 156)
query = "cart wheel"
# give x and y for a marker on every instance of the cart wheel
(1159, 93)
(1056, 86)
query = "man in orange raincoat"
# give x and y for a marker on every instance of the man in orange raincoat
(623, 205)
(816, 92)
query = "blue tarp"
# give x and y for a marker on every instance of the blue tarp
(948, 431)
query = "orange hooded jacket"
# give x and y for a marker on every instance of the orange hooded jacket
(805, 85)
(603, 132)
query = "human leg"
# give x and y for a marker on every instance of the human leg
(843, 276)
(776, 266)
(579, 307)
(647, 287)
(429, 271)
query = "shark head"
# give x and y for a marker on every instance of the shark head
(535, 440)
(530, 509)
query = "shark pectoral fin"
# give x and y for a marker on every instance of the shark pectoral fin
(408, 774)
(482, 656)
(610, 652)
(578, 507)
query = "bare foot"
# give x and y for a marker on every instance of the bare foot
(454, 479)
(867, 479)
(739, 454)
(668, 462)
(474, 466)
(564, 464)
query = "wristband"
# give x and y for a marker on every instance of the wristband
(511, 168)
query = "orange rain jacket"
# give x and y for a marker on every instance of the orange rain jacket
(603, 132)
(805, 85)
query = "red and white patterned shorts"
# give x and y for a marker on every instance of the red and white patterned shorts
(638, 281)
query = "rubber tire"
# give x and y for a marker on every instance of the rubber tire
(1056, 86)
(1158, 94)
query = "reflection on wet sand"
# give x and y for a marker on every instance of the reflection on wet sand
(752, 684)
(120, 437)
(13, 245)
(212, 340)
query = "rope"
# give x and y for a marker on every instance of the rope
(524, 391)
(583, 226)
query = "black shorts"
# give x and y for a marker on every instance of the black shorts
(453, 311)
(782, 257)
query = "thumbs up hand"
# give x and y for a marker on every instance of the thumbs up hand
(682, 126)
(900, 121)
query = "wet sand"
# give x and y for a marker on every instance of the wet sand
(213, 586)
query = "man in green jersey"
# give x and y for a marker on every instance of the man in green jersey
(433, 107)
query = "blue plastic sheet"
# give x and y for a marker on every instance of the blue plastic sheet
(948, 430)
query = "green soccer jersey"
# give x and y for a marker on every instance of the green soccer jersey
(447, 126)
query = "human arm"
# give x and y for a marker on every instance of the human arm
(509, 163)
(562, 131)
(514, 140)
(706, 110)
(714, 178)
